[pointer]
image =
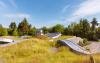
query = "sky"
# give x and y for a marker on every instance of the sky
(48, 13)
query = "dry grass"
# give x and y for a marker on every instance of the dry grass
(38, 51)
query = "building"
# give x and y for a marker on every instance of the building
(39, 32)
(53, 35)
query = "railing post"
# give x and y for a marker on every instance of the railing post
(91, 59)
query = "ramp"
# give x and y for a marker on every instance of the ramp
(74, 46)
(6, 40)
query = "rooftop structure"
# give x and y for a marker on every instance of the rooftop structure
(54, 35)
(39, 32)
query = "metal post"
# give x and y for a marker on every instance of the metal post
(91, 59)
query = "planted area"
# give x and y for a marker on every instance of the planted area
(39, 51)
(84, 42)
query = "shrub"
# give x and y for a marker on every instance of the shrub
(85, 40)
(42, 37)
(3, 32)
(84, 43)
(92, 36)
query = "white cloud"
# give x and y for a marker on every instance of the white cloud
(17, 15)
(13, 3)
(65, 8)
(2, 4)
(87, 8)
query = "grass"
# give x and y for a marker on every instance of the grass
(39, 51)
(62, 38)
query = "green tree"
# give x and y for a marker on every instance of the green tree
(13, 29)
(66, 31)
(0, 26)
(32, 31)
(45, 30)
(85, 28)
(12, 26)
(3, 31)
(94, 24)
(23, 27)
(98, 32)
(58, 28)
(70, 29)
(80, 29)
(92, 33)
(15, 32)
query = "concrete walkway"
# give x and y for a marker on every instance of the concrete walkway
(15, 42)
(71, 43)
(94, 47)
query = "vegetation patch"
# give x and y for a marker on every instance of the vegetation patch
(84, 42)
(38, 51)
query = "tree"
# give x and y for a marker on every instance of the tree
(98, 32)
(94, 24)
(0, 26)
(23, 27)
(85, 28)
(15, 32)
(45, 30)
(12, 26)
(32, 31)
(3, 31)
(58, 28)
(13, 29)
(93, 31)
(81, 29)
(70, 29)
(66, 31)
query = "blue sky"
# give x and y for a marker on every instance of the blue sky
(41, 13)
